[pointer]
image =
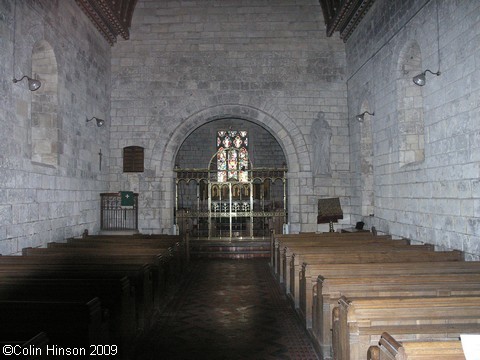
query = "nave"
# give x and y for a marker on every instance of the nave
(226, 309)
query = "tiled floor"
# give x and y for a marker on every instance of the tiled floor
(227, 309)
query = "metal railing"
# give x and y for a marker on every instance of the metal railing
(114, 216)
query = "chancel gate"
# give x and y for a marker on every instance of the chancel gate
(230, 198)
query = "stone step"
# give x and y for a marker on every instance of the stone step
(230, 249)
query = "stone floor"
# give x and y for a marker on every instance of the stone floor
(226, 309)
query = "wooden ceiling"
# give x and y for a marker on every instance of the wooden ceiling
(114, 17)
(111, 17)
(344, 15)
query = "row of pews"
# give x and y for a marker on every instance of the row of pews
(362, 295)
(95, 293)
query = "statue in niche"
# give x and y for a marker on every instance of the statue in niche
(321, 134)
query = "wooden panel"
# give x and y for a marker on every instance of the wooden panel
(133, 158)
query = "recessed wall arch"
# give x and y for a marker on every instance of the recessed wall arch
(411, 123)
(366, 161)
(289, 140)
(45, 127)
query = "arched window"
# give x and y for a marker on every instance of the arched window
(133, 158)
(232, 155)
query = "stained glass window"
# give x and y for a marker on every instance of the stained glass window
(232, 156)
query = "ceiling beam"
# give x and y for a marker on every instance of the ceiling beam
(110, 17)
(344, 15)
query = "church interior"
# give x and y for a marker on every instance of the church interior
(232, 176)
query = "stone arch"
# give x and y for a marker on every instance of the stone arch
(366, 161)
(275, 126)
(409, 97)
(190, 155)
(278, 124)
(45, 128)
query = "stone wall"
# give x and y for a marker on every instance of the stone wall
(189, 63)
(49, 163)
(425, 159)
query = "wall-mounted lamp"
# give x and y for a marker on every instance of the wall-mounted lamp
(33, 84)
(100, 122)
(361, 117)
(421, 79)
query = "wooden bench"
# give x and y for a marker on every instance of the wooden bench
(329, 290)
(285, 255)
(277, 239)
(333, 239)
(390, 349)
(178, 244)
(67, 323)
(139, 275)
(359, 323)
(173, 262)
(363, 256)
(116, 297)
(122, 256)
(294, 256)
(310, 275)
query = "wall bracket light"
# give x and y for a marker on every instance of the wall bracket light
(100, 122)
(421, 79)
(361, 117)
(33, 84)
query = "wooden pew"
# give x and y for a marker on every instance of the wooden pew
(390, 349)
(171, 249)
(178, 243)
(329, 290)
(139, 275)
(285, 254)
(310, 274)
(170, 265)
(363, 256)
(67, 323)
(116, 297)
(99, 253)
(293, 256)
(339, 239)
(359, 323)
(276, 241)
(88, 256)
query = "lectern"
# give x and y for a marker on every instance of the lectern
(329, 210)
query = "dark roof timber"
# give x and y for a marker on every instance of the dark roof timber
(110, 17)
(344, 15)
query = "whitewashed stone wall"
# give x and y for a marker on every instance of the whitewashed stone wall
(436, 199)
(191, 62)
(57, 197)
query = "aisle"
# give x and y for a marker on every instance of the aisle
(227, 309)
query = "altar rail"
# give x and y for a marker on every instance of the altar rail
(114, 216)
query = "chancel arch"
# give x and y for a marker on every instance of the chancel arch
(230, 181)
(281, 127)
